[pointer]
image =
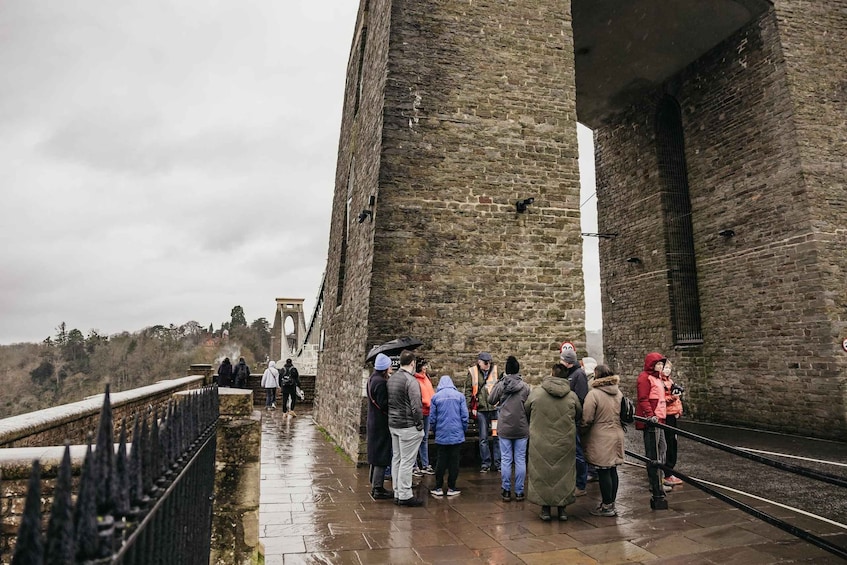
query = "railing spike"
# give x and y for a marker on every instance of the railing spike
(61, 546)
(122, 475)
(104, 457)
(29, 547)
(85, 513)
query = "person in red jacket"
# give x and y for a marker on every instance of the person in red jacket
(650, 404)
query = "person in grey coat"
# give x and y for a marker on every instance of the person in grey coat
(405, 422)
(509, 394)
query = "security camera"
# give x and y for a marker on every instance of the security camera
(364, 215)
(521, 205)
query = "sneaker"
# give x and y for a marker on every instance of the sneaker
(273, 405)
(453, 492)
(563, 516)
(410, 502)
(673, 481)
(416, 472)
(519, 496)
(579, 492)
(666, 488)
(506, 495)
(484, 469)
(437, 492)
(605, 510)
(428, 470)
(545, 513)
(292, 414)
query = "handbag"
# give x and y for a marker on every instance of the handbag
(300, 394)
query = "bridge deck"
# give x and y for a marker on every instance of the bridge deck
(315, 508)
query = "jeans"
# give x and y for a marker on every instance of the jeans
(489, 451)
(581, 465)
(670, 441)
(513, 451)
(423, 451)
(653, 443)
(448, 459)
(270, 397)
(404, 446)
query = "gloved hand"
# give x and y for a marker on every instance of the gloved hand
(654, 419)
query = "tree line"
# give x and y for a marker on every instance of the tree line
(69, 365)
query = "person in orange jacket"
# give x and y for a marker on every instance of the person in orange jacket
(427, 391)
(673, 411)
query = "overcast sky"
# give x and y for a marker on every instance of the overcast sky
(163, 161)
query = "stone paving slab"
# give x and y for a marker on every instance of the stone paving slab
(315, 508)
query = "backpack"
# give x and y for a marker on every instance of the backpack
(627, 414)
(243, 373)
(285, 377)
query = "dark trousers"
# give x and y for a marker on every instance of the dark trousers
(670, 441)
(289, 392)
(448, 459)
(608, 479)
(377, 476)
(652, 437)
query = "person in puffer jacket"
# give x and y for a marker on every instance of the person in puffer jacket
(448, 419)
(510, 394)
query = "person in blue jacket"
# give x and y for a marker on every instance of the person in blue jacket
(448, 420)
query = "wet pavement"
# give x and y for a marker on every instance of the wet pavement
(316, 508)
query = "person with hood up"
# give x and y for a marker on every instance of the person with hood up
(603, 435)
(225, 373)
(650, 404)
(241, 373)
(270, 382)
(510, 394)
(448, 419)
(553, 411)
(379, 438)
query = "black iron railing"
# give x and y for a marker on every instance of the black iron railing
(152, 504)
(772, 520)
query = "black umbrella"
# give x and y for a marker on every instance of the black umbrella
(393, 347)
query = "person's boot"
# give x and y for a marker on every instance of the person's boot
(545, 513)
(379, 493)
(563, 517)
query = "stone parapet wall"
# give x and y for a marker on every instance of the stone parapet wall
(75, 421)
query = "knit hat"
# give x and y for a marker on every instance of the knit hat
(569, 357)
(485, 356)
(512, 366)
(382, 362)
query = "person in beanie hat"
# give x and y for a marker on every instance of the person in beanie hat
(479, 382)
(379, 437)
(510, 394)
(579, 385)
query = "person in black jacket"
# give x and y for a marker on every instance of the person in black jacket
(289, 382)
(379, 438)
(225, 373)
(242, 373)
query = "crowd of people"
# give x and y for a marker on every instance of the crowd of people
(547, 442)
(285, 378)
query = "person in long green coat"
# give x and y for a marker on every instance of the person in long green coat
(553, 411)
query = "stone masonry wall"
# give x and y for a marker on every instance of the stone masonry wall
(768, 336)
(476, 111)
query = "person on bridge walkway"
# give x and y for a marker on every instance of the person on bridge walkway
(650, 404)
(478, 384)
(242, 373)
(553, 411)
(405, 422)
(449, 421)
(225, 373)
(379, 437)
(510, 394)
(426, 398)
(603, 435)
(673, 402)
(270, 382)
(289, 382)
(578, 381)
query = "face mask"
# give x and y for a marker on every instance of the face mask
(666, 371)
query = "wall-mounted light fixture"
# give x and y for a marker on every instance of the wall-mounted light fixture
(634, 260)
(727, 233)
(364, 215)
(521, 205)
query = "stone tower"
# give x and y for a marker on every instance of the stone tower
(453, 112)
(720, 150)
(282, 345)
